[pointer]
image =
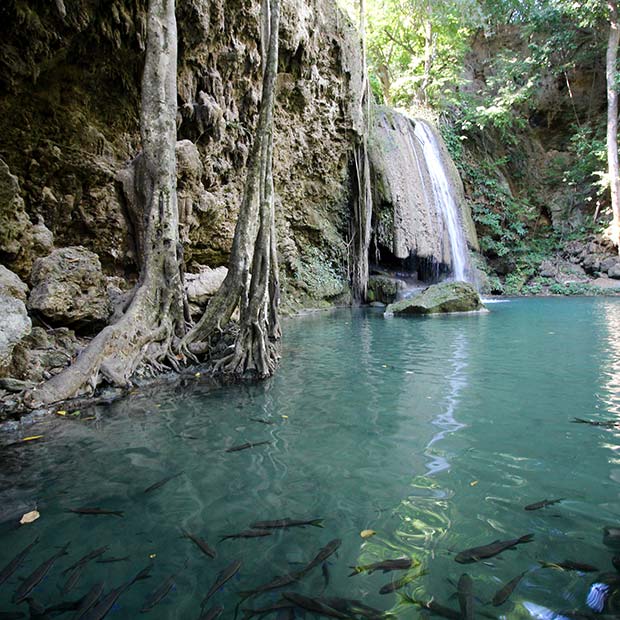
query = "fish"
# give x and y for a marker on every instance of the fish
(11, 615)
(278, 523)
(399, 583)
(161, 483)
(492, 549)
(616, 562)
(323, 554)
(90, 599)
(31, 582)
(262, 421)
(110, 560)
(503, 594)
(76, 569)
(465, 592)
(276, 582)
(355, 608)
(245, 446)
(105, 604)
(385, 566)
(314, 605)
(230, 571)
(597, 596)
(158, 594)
(16, 562)
(267, 609)
(212, 613)
(325, 571)
(611, 536)
(248, 534)
(606, 423)
(570, 565)
(433, 606)
(96, 511)
(200, 543)
(543, 503)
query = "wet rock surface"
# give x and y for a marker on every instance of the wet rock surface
(69, 288)
(440, 298)
(14, 326)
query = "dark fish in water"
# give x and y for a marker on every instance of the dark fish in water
(11, 615)
(543, 503)
(503, 594)
(465, 593)
(30, 583)
(262, 421)
(616, 562)
(248, 534)
(230, 571)
(399, 583)
(158, 594)
(245, 446)
(314, 605)
(212, 613)
(385, 566)
(276, 582)
(90, 600)
(611, 536)
(76, 569)
(161, 483)
(16, 562)
(95, 511)
(323, 554)
(111, 560)
(267, 609)
(606, 423)
(434, 607)
(265, 525)
(101, 609)
(325, 571)
(355, 608)
(488, 551)
(570, 565)
(200, 543)
(286, 614)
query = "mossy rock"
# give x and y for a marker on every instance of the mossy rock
(440, 298)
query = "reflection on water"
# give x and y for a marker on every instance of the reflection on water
(363, 417)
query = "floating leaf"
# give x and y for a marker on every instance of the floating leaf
(32, 438)
(367, 533)
(197, 374)
(473, 483)
(285, 417)
(61, 413)
(29, 517)
(152, 556)
(76, 413)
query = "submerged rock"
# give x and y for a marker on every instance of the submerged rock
(440, 298)
(68, 287)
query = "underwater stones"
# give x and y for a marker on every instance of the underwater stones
(440, 298)
(68, 287)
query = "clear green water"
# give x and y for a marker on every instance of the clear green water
(432, 432)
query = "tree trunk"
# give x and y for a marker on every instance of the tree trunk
(428, 51)
(612, 121)
(362, 197)
(252, 282)
(154, 318)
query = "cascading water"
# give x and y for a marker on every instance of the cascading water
(444, 200)
(422, 224)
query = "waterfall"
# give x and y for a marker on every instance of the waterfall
(422, 223)
(444, 200)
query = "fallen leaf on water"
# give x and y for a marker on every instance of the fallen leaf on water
(285, 417)
(367, 533)
(61, 413)
(76, 412)
(32, 438)
(92, 417)
(473, 483)
(197, 374)
(29, 517)
(152, 556)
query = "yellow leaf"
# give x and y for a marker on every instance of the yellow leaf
(29, 517)
(152, 556)
(285, 417)
(197, 374)
(367, 533)
(92, 417)
(61, 413)
(473, 483)
(32, 438)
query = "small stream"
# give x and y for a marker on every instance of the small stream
(432, 432)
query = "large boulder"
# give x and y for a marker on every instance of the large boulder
(12, 285)
(14, 326)
(440, 298)
(384, 289)
(69, 288)
(204, 284)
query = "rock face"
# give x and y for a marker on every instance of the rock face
(69, 288)
(440, 298)
(411, 223)
(12, 285)
(14, 326)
